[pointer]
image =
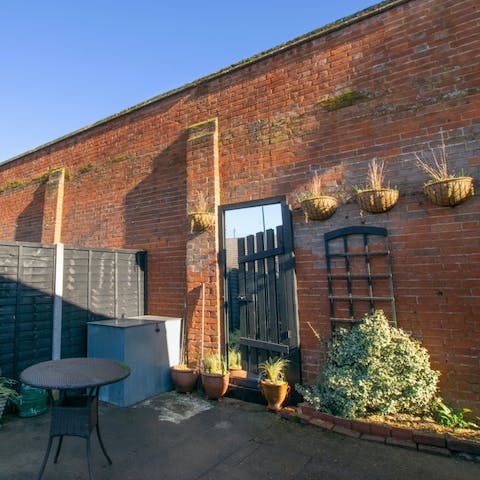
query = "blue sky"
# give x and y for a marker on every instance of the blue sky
(67, 64)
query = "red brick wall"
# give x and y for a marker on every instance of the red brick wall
(417, 65)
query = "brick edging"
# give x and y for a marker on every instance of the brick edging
(439, 444)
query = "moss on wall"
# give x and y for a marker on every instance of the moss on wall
(345, 99)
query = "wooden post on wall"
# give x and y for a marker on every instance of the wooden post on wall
(202, 247)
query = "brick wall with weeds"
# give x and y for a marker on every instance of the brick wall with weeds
(388, 82)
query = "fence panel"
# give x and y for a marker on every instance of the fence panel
(97, 284)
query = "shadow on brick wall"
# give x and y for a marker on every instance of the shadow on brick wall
(30, 221)
(156, 221)
(155, 208)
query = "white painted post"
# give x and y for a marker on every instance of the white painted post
(57, 302)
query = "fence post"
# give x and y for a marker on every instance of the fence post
(57, 302)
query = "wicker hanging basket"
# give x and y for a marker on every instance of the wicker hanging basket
(377, 200)
(319, 208)
(200, 221)
(449, 192)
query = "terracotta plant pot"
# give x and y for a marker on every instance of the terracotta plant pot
(449, 192)
(200, 221)
(215, 384)
(238, 372)
(184, 378)
(377, 200)
(319, 208)
(275, 394)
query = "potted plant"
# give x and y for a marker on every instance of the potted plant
(273, 385)
(444, 189)
(375, 197)
(184, 378)
(235, 362)
(7, 392)
(315, 203)
(201, 215)
(215, 376)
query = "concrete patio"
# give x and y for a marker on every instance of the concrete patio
(175, 436)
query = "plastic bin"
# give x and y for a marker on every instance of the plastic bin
(31, 401)
(148, 344)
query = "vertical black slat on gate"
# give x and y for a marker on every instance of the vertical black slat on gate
(262, 300)
(242, 295)
(272, 333)
(263, 293)
(290, 285)
(251, 300)
(282, 290)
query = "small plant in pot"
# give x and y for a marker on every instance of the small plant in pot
(7, 392)
(184, 377)
(273, 384)
(201, 216)
(375, 197)
(235, 362)
(315, 203)
(444, 188)
(215, 375)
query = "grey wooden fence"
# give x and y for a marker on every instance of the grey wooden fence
(48, 293)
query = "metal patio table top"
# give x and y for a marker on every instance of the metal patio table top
(75, 415)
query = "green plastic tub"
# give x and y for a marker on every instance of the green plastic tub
(31, 401)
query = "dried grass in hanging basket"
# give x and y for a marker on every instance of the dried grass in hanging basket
(201, 221)
(450, 191)
(319, 208)
(378, 200)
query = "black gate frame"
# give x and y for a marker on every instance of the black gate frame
(291, 347)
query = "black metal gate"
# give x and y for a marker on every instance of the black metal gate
(267, 297)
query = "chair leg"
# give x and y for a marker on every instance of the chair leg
(59, 447)
(89, 461)
(100, 441)
(45, 458)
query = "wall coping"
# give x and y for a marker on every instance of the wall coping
(322, 31)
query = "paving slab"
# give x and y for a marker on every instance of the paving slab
(186, 437)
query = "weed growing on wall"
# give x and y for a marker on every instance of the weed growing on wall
(374, 368)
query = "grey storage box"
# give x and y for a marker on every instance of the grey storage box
(148, 344)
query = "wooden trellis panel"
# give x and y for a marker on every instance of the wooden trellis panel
(359, 274)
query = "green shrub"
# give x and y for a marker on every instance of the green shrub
(374, 368)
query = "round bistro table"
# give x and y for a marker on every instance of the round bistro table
(74, 414)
